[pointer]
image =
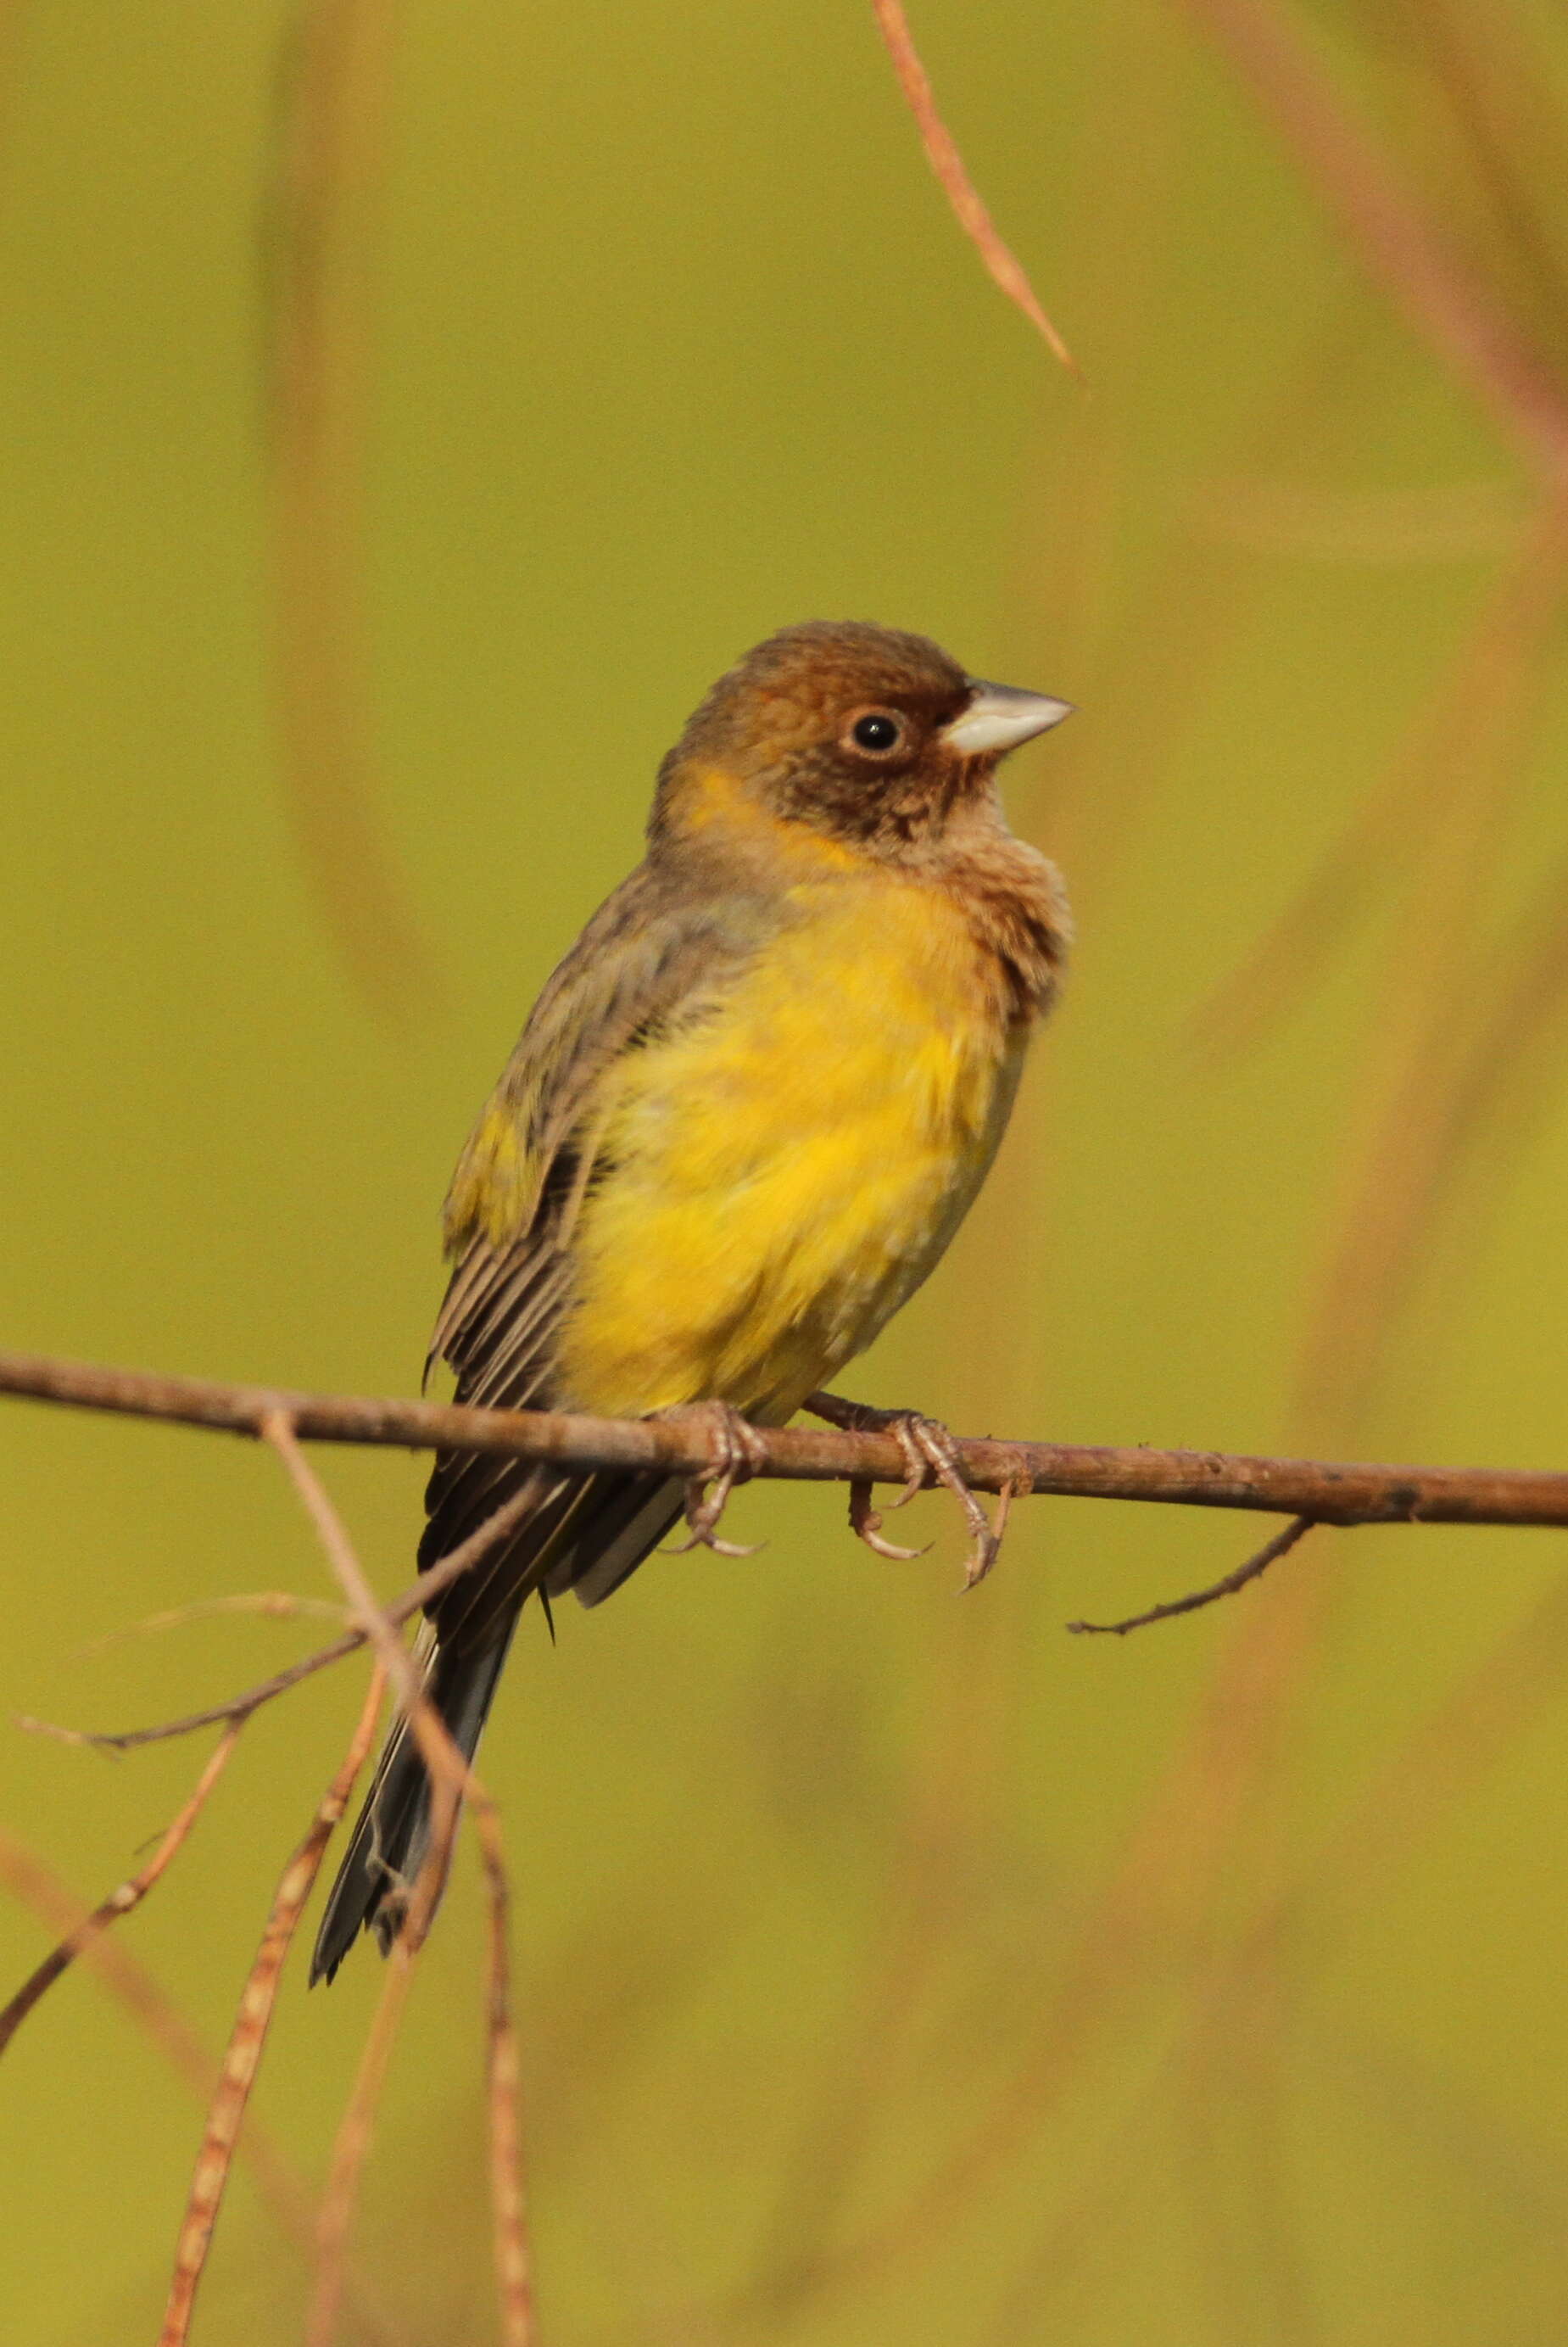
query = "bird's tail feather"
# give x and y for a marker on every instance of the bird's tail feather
(392, 1834)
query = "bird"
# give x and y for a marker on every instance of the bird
(743, 1120)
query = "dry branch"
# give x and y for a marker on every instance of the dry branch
(248, 2039)
(120, 1901)
(240, 1707)
(1255, 1567)
(453, 1781)
(1310, 1491)
(1331, 1491)
(350, 2147)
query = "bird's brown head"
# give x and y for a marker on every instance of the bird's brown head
(865, 734)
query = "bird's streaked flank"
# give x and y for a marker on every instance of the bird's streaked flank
(744, 1120)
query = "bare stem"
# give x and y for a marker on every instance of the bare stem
(1331, 1491)
(240, 1707)
(120, 1901)
(453, 1782)
(1227, 1586)
(349, 2150)
(1001, 263)
(248, 2038)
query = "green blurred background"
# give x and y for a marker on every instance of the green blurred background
(402, 420)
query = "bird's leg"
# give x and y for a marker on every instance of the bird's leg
(737, 1456)
(930, 1454)
(862, 1418)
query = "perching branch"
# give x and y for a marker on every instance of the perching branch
(862, 1447)
(1330, 1491)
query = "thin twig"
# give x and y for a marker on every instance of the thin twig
(1334, 1491)
(1253, 1568)
(452, 1780)
(349, 2150)
(352, 2144)
(277, 1430)
(248, 2039)
(942, 153)
(514, 2263)
(120, 1901)
(240, 1707)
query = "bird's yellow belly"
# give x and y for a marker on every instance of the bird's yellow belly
(779, 1179)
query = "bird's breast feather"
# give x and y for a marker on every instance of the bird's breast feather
(781, 1175)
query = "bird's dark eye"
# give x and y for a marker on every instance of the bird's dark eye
(877, 732)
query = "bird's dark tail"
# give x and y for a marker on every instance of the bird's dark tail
(392, 1834)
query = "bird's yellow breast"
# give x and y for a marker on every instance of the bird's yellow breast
(779, 1177)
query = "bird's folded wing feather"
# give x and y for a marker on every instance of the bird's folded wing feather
(656, 957)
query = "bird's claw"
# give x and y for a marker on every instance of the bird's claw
(866, 1523)
(737, 1455)
(930, 1455)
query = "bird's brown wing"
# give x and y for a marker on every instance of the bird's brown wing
(657, 954)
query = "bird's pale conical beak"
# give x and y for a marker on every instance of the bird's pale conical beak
(1000, 716)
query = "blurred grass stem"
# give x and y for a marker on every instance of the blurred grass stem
(1002, 263)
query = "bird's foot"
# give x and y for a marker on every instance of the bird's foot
(930, 1457)
(737, 1455)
